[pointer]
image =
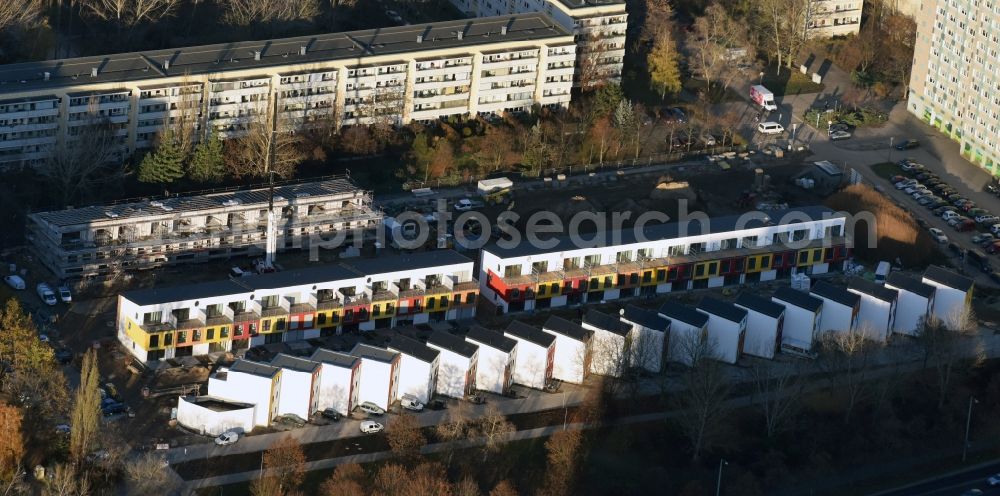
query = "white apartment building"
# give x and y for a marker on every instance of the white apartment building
(418, 368)
(828, 18)
(457, 366)
(387, 75)
(103, 239)
(955, 80)
(365, 294)
(669, 257)
(952, 295)
(299, 385)
(610, 345)
(598, 26)
(571, 359)
(339, 380)
(497, 359)
(251, 383)
(379, 375)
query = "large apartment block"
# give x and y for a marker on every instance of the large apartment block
(598, 28)
(360, 295)
(729, 250)
(103, 239)
(954, 83)
(386, 75)
(827, 18)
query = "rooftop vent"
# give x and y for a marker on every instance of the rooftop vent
(46, 76)
(301, 195)
(503, 30)
(420, 38)
(256, 55)
(156, 204)
(168, 208)
(166, 64)
(459, 35)
(93, 72)
(302, 50)
(231, 202)
(279, 198)
(111, 215)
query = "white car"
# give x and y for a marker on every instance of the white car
(839, 135)
(995, 229)
(370, 427)
(463, 205)
(227, 438)
(14, 282)
(949, 214)
(371, 408)
(770, 128)
(411, 404)
(906, 183)
(46, 294)
(64, 294)
(983, 238)
(993, 481)
(938, 235)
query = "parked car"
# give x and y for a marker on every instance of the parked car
(112, 391)
(965, 225)
(992, 188)
(476, 399)
(838, 127)
(707, 139)
(63, 429)
(993, 247)
(955, 220)
(949, 214)
(371, 427)
(64, 356)
(410, 403)
(679, 115)
(463, 205)
(839, 135)
(938, 235)
(392, 14)
(940, 211)
(995, 229)
(770, 128)
(983, 238)
(993, 480)
(437, 405)
(290, 419)
(114, 408)
(926, 199)
(908, 144)
(910, 166)
(227, 438)
(46, 294)
(371, 408)
(15, 282)
(906, 184)
(331, 414)
(64, 294)
(987, 219)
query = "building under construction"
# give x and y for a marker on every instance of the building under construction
(105, 239)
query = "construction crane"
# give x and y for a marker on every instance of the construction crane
(271, 235)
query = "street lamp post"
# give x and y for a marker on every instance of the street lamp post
(890, 148)
(718, 481)
(761, 77)
(968, 425)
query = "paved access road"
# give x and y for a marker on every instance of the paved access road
(952, 484)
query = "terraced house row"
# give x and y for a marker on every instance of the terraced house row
(387, 75)
(362, 294)
(728, 250)
(98, 240)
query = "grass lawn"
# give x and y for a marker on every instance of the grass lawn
(788, 82)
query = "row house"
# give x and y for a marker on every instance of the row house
(392, 75)
(877, 307)
(457, 371)
(840, 307)
(915, 302)
(647, 335)
(379, 382)
(363, 294)
(339, 381)
(497, 359)
(418, 368)
(571, 359)
(536, 350)
(610, 343)
(250, 383)
(99, 240)
(688, 333)
(803, 314)
(300, 384)
(952, 295)
(765, 325)
(725, 330)
(668, 257)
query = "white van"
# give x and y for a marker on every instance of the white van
(770, 128)
(371, 408)
(882, 272)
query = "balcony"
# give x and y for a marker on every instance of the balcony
(305, 305)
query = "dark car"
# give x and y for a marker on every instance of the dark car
(966, 225)
(476, 399)
(64, 356)
(955, 248)
(923, 223)
(992, 188)
(437, 405)
(979, 259)
(331, 414)
(908, 144)
(678, 114)
(291, 420)
(114, 408)
(993, 247)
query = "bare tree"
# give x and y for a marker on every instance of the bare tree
(128, 13)
(261, 149)
(844, 356)
(941, 342)
(65, 481)
(453, 428)
(146, 475)
(247, 12)
(494, 428)
(21, 15)
(405, 437)
(85, 163)
(777, 389)
(702, 404)
(784, 22)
